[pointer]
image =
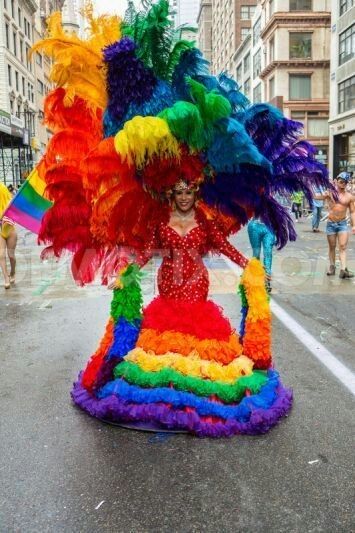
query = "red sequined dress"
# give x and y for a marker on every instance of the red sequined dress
(180, 365)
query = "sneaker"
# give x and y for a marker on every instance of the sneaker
(331, 271)
(345, 274)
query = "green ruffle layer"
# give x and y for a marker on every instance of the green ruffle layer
(228, 393)
(127, 302)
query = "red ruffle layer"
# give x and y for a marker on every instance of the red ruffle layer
(202, 319)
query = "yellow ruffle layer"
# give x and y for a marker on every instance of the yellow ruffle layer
(192, 365)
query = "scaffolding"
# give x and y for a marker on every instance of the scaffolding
(16, 160)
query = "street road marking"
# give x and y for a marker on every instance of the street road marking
(320, 352)
(338, 369)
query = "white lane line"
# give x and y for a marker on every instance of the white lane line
(316, 348)
(338, 369)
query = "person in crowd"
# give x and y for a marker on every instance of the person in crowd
(297, 201)
(337, 225)
(8, 239)
(317, 207)
(262, 236)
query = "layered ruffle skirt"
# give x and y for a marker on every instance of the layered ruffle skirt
(180, 366)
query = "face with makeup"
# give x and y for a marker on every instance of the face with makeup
(184, 199)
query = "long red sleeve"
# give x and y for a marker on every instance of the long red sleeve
(151, 247)
(220, 243)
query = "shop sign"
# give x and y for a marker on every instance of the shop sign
(5, 121)
(321, 156)
(17, 126)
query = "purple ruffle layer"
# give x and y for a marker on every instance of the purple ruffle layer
(114, 409)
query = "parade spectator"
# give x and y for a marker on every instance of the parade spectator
(8, 239)
(351, 187)
(317, 206)
(337, 226)
(261, 236)
(297, 201)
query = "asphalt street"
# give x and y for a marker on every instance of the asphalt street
(62, 471)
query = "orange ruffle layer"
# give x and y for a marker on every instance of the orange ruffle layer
(96, 360)
(172, 341)
(257, 343)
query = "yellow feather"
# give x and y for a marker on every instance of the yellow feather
(142, 138)
(78, 63)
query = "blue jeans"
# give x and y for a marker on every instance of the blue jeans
(317, 215)
(333, 228)
(261, 235)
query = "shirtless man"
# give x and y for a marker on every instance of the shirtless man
(337, 229)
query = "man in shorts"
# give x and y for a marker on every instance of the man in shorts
(337, 228)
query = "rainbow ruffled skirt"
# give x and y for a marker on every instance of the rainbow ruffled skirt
(181, 367)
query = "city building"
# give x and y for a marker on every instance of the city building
(342, 88)
(186, 12)
(243, 65)
(24, 82)
(249, 60)
(72, 16)
(204, 21)
(187, 33)
(17, 88)
(231, 22)
(296, 37)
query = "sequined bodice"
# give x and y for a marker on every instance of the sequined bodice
(183, 275)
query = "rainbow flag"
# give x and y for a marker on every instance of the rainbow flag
(29, 205)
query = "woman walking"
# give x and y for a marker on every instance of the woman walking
(8, 239)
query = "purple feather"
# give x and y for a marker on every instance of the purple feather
(128, 80)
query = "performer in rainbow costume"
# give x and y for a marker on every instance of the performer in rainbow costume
(151, 152)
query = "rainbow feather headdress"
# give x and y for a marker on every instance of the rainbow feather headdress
(134, 111)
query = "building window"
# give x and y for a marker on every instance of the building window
(38, 59)
(247, 63)
(247, 88)
(247, 12)
(11, 107)
(315, 122)
(347, 45)
(272, 49)
(19, 110)
(19, 17)
(300, 45)
(16, 81)
(300, 87)
(256, 31)
(300, 5)
(13, 9)
(28, 59)
(271, 88)
(244, 33)
(346, 95)
(9, 75)
(257, 64)
(317, 127)
(5, 4)
(7, 34)
(23, 86)
(345, 5)
(14, 36)
(21, 50)
(257, 94)
(239, 73)
(40, 87)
